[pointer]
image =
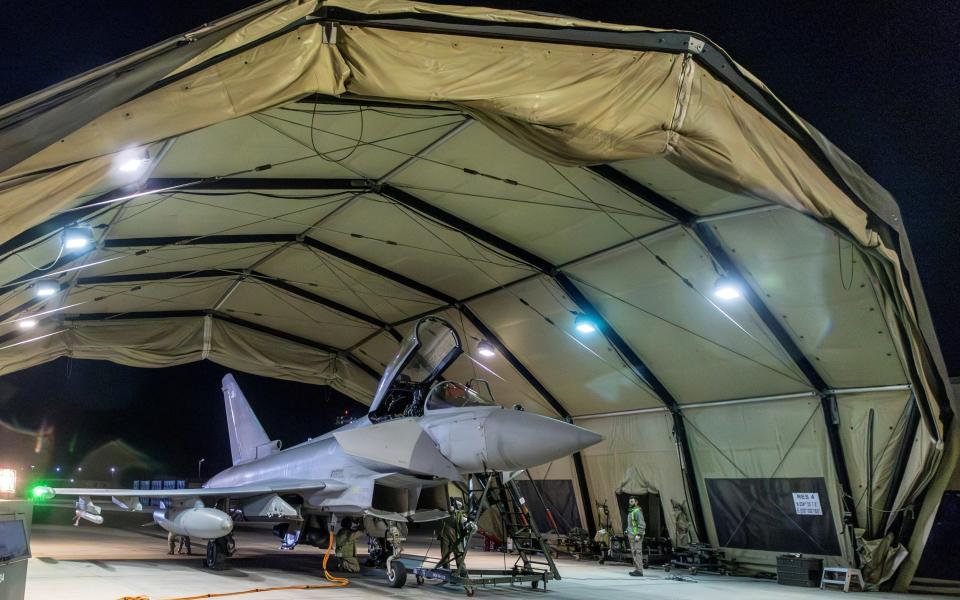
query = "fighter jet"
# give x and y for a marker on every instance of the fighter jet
(390, 468)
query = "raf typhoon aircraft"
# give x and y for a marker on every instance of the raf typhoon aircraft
(387, 469)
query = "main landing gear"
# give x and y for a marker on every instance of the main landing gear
(218, 551)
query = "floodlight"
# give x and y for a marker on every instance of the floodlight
(47, 287)
(133, 161)
(727, 288)
(76, 238)
(584, 324)
(485, 348)
(27, 323)
(8, 481)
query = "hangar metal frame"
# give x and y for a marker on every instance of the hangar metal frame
(701, 50)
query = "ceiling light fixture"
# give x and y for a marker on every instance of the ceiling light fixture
(727, 288)
(130, 162)
(485, 348)
(584, 324)
(46, 287)
(78, 237)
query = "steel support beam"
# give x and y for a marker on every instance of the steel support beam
(640, 369)
(410, 201)
(378, 270)
(240, 184)
(903, 457)
(713, 245)
(203, 240)
(278, 283)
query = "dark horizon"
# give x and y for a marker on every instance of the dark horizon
(175, 415)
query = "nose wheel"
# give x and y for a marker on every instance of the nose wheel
(397, 574)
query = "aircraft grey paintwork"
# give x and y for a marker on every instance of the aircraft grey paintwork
(390, 468)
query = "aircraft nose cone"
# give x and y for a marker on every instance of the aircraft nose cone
(520, 440)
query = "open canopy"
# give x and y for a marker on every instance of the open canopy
(287, 190)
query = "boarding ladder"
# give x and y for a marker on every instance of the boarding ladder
(534, 563)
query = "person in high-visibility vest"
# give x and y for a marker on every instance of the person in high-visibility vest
(636, 528)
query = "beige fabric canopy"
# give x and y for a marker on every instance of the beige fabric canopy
(315, 176)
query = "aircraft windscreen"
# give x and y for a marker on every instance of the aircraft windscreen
(423, 355)
(437, 341)
(449, 394)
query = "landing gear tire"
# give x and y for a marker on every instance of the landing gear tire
(217, 552)
(397, 574)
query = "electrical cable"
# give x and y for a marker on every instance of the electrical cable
(334, 582)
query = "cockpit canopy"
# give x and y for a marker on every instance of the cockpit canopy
(424, 355)
(450, 394)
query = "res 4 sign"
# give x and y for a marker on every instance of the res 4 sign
(807, 503)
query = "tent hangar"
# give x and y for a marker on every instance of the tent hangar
(287, 190)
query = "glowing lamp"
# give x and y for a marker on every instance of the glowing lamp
(46, 287)
(77, 238)
(8, 481)
(584, 324)
(727, 288)
(132, 162)
(29, 323)
(485, 348)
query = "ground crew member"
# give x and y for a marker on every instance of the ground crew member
(602, 538)
(172, 540)
(684, 536)
(184, 541)
(346, 540)
(450, 534)
(636, 527)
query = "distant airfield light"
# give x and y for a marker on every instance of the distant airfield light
(46, 287)
(130, 162)
(584, 324)
(77, 238)
(113, 469)
(727, 288)
(57, 469)
(29, 323)
(485, 348)
(79, 469)
(8, 481)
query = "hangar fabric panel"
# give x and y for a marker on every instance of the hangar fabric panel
(286, 191)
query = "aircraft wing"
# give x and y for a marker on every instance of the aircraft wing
(241, 491)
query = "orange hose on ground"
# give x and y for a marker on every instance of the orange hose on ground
(335, 582)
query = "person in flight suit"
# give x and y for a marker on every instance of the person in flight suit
(346, 540)
(605, 527)
(636, 528)
(450, 533)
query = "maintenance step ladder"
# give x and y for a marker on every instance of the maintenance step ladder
(534, 563)
(841, 577)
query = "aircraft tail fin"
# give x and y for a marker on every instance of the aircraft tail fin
(246, 433)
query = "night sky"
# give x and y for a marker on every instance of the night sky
(879, 79)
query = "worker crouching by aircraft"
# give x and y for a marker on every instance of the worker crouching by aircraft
(346, 541)
(636, 528)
